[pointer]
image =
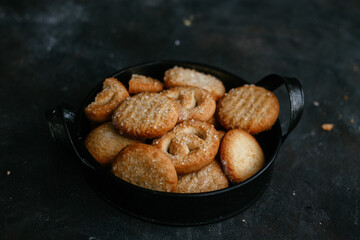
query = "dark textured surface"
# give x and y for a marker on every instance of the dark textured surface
(56, 51)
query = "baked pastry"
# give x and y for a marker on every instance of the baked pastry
(241, 155)
(193, 102)
(105, 142)
(207, 179)
(146, 115)
(252, 108)
(191, 145)
(140, 83)
(179, 76)
(112, 94)
(145, 166)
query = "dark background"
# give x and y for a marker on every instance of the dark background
(56, 51)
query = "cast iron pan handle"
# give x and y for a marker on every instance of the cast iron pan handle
(296, 97)
(60, 120)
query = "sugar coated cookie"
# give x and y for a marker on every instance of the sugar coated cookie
(249, 107)
(179, 76)
(146, 115)
(241, 155)
(207, 179)
(146, 166)
(140, 83)
(193, 102)
(191, 145)
(112, 94)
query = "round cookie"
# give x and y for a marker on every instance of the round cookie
(252, 108)
(191, 145)
(241, 155)
(193, 102)
(105, 142)
(207, 179)
(179, 76)
(112, 94)
(146, 166)
(140, 83)
(146, 115)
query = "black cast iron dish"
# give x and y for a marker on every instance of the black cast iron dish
(70, 128)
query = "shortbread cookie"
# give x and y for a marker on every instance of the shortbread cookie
(191, 145)
(140, 83)
(249, 107)
(193, 102)
(112, 94)
(146, 115)
(105, 142)
(209, 178)
(178, 76)
(146, 166)
(241, 155)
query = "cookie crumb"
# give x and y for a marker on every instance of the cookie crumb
(352, 120)
(346, 97)
(327, 126)
(8, 173)
(177, 42)
(316, 104)
(294, 193)
(244, 221)
(188, 21)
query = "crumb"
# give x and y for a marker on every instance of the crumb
(244, 221)
(294, 193)
(316, 104)
(327, 126)
(320, 223)
(188, 20)
(346, 97)
(352, 120)
(8, 173)
(177, 42)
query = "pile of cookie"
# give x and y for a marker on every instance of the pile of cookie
(185, 134)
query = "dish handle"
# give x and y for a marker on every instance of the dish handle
(60, 121)
(296, 97)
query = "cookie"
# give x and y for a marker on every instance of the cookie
(145, 166)
(112, 94)
(207, 179)
(193, 102)
(140, 83)
(191, 145)
(178, 76)
(252, 108)
(105, 142)
(241, 155)
(146, 115)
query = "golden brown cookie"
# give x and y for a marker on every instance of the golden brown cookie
(105, 142)
(241, 155)
(207, 179)
(178, 76)
(193, 102)
(249, 107)
(146, 115)
(140, 83)
(191, 145)
(112, 94)
(146, 166)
